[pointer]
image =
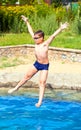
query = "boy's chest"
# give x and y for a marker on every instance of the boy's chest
(41, 49)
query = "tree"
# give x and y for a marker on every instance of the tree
(8, 2)
(57, 3)
(26, 1)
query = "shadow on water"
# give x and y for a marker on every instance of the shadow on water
(64, 94)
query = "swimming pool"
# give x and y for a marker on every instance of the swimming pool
(17, 112)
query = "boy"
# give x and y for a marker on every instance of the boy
(42, 62)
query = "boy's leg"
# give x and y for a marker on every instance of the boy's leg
(43, 78)
(28, 76)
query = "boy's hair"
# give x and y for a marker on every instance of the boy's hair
(40, 33)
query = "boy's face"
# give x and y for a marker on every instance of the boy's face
(38, 39)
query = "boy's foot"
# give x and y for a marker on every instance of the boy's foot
(38, 104)
(12, 90)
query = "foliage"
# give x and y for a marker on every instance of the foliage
(6, 2)
(26, 1)
(10, 16)
(76, 25)
(40, 15)
(56, 3)
(48, 24)
(43, 10)
(11, 2)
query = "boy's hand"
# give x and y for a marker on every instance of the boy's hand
(64, 26)
(25, 19)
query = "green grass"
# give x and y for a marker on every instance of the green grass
(15, 39)
(14, 61)
(64, 40)
(9, 62)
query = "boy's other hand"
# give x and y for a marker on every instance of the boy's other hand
(64, 26)
(25, 19)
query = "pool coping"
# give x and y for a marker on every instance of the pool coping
(55, 80)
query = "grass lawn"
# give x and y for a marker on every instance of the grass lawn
(63, 40)
(11, 39)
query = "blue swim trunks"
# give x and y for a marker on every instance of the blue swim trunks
(40, 66)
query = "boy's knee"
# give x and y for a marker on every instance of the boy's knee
(27, 77)
(42, 83)
(24, 79)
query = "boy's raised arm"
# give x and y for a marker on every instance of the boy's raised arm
(61, 28)
(25, 19)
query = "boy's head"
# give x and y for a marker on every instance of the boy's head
(39, 37)
(40, 33)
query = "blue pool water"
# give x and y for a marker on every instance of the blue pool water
(19, 113)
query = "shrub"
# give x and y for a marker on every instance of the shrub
(47, 24)
(76, 25)
(41, 16)
(10, 16)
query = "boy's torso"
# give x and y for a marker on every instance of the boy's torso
(41, 53)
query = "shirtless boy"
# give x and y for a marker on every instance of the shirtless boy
(42, 62)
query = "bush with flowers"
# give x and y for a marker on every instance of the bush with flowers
(41, 16)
